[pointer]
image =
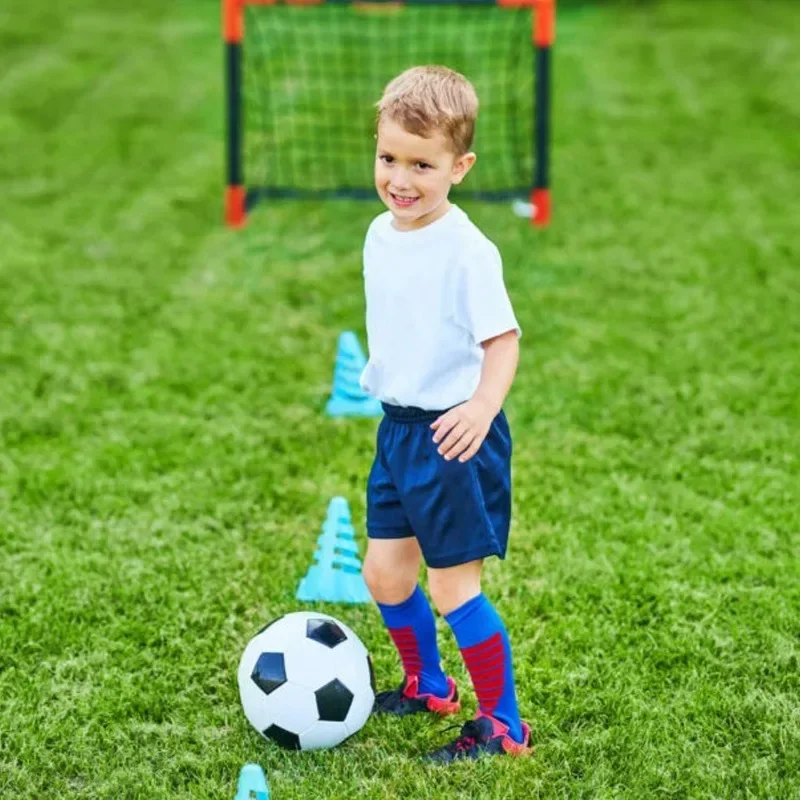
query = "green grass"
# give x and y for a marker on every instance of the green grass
(165, 465)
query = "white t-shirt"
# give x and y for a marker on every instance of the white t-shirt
(433, 295)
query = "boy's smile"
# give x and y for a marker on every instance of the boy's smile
(402, 201)
(413, 174)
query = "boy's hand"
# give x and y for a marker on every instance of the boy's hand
(462, 429)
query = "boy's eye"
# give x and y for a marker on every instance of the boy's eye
(423, 165)
(387, 159)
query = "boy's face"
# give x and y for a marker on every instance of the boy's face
(413, 175)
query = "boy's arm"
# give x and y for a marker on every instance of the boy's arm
(462, 429)
(500, 358)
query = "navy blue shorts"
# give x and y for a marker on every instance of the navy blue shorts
(458, 512)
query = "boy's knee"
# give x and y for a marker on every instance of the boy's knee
(386, 583)
(451, 588)
(445, 598)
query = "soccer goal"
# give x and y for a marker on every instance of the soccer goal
(303, 77)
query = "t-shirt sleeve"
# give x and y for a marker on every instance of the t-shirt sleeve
(483, 305)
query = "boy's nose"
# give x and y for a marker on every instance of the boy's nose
(400, 180)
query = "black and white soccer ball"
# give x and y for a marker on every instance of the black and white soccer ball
(306, 681)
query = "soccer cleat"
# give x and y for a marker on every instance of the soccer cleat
(479, 736)
(406, 700)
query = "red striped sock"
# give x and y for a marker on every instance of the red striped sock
(406, 643)
(412, 627)
(483, 640)
(487, 665)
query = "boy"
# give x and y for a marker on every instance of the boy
(443, 350)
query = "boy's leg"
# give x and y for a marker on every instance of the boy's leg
(391, 570)
(483, 641)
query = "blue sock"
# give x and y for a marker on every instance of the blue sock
(483, 641)
(413, 629)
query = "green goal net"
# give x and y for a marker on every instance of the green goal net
(303, 81)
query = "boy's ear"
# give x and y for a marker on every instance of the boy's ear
(462, 165)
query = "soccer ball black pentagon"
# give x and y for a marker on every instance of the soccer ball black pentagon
(306, 681)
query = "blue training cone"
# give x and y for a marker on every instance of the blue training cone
(252, 784)
(335, 576)
(348, 399)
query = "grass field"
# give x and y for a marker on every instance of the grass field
(165, 465)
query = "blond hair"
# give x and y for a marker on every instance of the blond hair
(432, 99)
